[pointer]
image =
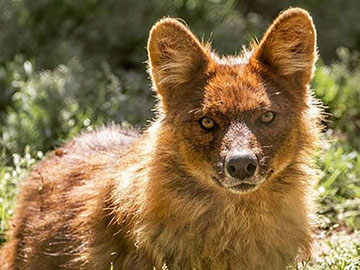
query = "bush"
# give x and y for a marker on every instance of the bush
(52, 106)
(10, 177)
(338, 87)
(340, 185)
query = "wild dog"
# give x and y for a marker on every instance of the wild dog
(222, 179)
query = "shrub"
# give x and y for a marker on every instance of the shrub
(52, 106)
(338, 87)
(340, 184)
(10, 177)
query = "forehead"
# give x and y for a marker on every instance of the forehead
(233, 89)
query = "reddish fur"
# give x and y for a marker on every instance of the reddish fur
(141, 201)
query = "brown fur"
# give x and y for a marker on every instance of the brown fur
(113, 197)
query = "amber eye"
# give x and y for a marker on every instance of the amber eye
(268, 117)
(207, 123)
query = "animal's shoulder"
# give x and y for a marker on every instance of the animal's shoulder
(105, 139)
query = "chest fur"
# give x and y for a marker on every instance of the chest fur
(225, 239)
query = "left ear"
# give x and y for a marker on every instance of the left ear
(176, 58)
(289, 46)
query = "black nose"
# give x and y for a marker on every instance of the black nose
(241, 165)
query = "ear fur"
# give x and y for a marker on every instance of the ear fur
(289, 45)
(175, 56)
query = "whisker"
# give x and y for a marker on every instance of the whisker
(275, 94)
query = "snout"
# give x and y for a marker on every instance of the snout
(241, 166)
(241, 169)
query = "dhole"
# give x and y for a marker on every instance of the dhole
(222, 179)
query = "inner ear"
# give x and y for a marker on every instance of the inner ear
(176, 57)
(289, 45)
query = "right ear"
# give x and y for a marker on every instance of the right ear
(176, 57)
(289, 46)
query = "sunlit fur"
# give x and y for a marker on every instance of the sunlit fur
(113, 197)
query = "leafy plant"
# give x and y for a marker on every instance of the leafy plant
(10, 177)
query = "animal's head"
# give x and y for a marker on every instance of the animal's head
(238, 121)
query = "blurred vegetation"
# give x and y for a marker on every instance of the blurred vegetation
(336, 252)
(68, 65)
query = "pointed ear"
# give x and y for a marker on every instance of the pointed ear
(176, 57)
(289, 45)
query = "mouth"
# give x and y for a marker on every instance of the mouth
(242, 187)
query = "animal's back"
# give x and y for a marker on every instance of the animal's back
(60, 203)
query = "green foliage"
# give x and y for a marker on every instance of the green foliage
(54, 31)
(338, 87)
(340, 185)
(51, 106)
(10, 177)
(338, 252)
